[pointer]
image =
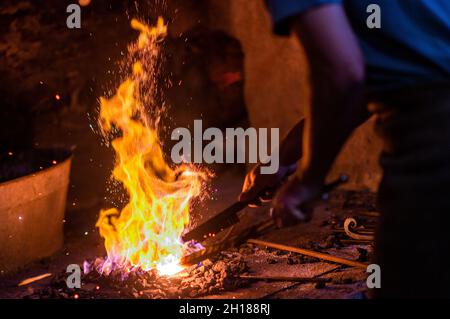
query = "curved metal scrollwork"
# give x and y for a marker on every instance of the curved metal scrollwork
(349, 225)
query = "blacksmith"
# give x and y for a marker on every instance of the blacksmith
(400, 67)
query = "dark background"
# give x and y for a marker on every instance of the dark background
(52, 76)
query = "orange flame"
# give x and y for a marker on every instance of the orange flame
(146, 233)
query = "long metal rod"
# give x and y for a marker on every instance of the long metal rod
(361, 231)
(296, 284)
(33, 279)
(310, 253)
(285, 278)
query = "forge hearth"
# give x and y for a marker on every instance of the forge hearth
(207, 278)
(236, 272)
(54, 78)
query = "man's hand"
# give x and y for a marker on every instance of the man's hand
(291, 204)
(256, 184)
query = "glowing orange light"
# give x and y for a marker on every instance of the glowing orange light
(84, 3)
(146, 232)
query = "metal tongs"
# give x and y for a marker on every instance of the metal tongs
(229, 216)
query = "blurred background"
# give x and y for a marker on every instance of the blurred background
(221, 59)
(221, 63)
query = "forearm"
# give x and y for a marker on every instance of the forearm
(291, 146)
(337, 79)
(333, 115)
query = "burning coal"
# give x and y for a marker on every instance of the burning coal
(146, 233)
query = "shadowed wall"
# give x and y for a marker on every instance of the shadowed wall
(276, 85)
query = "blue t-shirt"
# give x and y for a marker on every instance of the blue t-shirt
(412, 47)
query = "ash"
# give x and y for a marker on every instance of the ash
(208, 277)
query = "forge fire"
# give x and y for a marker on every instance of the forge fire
(224, 149)
(147, 232)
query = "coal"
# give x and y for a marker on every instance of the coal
(342, 280)
(208, 277)
(332, 241)
(293, 261)
(363, 254)
(320, 285)
(17, 164)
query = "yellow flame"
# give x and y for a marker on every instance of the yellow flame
(146, 233)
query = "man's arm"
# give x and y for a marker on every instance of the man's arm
(337, 108)
(291, 147)
(337, 78)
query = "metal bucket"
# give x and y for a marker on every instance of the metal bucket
(32, 210)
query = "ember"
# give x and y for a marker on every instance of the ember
(209, 277)
(146, 233)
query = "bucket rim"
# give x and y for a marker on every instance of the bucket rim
(67, 155)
